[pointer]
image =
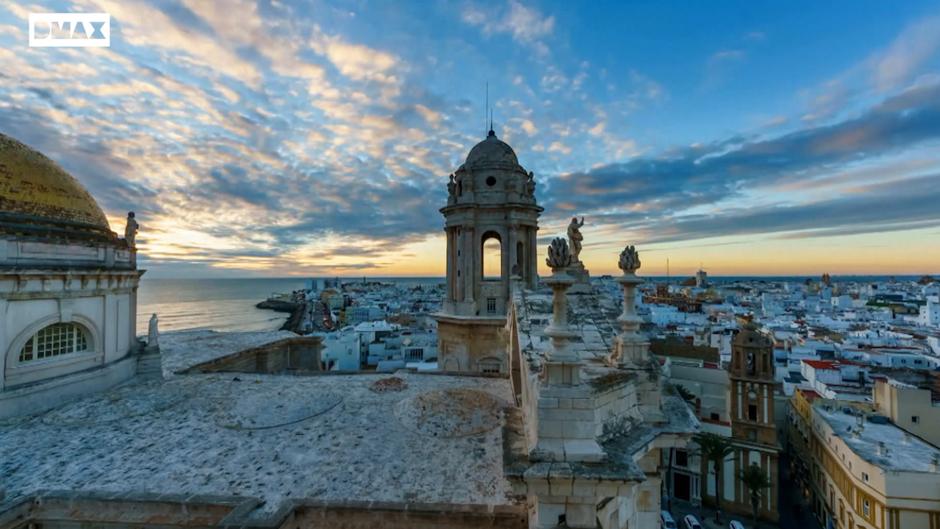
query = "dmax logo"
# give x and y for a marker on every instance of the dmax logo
(69, 30)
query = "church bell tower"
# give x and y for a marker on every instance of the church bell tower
(491, 215)
(753, 428)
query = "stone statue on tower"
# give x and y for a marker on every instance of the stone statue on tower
(130, 230)
(575, 238)
(577, 269)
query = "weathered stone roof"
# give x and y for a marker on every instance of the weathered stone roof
(326, 437)
(491, 150)
(592, 316)
(181, 350)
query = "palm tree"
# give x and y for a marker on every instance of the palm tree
(715, 449)
(756, 482)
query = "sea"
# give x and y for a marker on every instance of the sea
(229, 304)
(221, 304)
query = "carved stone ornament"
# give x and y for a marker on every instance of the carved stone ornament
(559, 256)
(629, 260)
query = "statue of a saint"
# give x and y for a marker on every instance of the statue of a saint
(575, 238)
(451, 190)
(530, 185)
(130, 230)
(153, 334)
(750, 363)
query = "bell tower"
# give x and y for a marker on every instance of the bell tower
(490, 220)
(753, 430)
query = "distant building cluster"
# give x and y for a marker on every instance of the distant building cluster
(855, 389)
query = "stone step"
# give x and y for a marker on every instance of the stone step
(150, 366)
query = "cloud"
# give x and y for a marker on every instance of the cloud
(355, 61)
(659, 192)
(881, 207)
(142, 25)
(910, 50)
(259, 136)
(719, 65)
(526, 25)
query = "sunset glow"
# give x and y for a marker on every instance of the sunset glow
(272, 139)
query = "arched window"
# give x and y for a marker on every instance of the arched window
(55, 340)
(492, 257)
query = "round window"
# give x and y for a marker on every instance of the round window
(491, 181)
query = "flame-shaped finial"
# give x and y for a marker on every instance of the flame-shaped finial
(559, 256)
(629, 260)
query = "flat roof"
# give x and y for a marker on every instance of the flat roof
(273, 437)
(906, 452)
(181, 350)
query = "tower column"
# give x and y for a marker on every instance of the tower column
(532, 261)
(513, 257)
(451, 250)
(631, 346)
(470, 268)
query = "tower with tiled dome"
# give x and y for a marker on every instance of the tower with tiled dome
(68, 287)
(491, 204)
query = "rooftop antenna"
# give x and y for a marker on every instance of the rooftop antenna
(486, 108)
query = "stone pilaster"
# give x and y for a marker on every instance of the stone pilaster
(632, 347)
(568, 421)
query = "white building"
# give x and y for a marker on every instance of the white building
(68, 288)
(930, 314)
(341, 351)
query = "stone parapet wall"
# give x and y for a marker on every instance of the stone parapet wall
(292, 354)
(22, 252)
(64, 509)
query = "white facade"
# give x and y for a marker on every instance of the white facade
(64, 333)
(68, 287)
(930, 314)
(341, 351)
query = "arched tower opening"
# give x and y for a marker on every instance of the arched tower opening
(492, 254)
(490, 222)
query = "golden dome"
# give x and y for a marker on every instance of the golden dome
(38, 195)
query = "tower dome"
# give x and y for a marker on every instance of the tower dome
(491, 150)
(40, 199)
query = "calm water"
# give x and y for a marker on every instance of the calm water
(220, 304)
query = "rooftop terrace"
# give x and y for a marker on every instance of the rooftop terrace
(906, 453)
(431, 439)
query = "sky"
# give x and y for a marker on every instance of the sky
(278, 138)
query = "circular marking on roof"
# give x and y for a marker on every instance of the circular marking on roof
(262, 410)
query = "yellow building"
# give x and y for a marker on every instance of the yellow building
(860, 470)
